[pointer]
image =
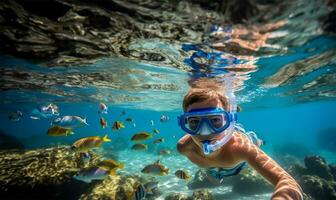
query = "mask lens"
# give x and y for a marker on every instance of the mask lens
(193, 123)
(217, 121)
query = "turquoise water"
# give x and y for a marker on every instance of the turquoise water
(287, 117)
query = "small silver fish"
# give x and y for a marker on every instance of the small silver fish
(51, 110)
(69, 121)
(102, 108)
(87, 175)
(164, 118)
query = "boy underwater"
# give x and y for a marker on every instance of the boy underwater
(216, 142)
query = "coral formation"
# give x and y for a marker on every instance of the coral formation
(316, 178)
(42, 173)
(246, 183)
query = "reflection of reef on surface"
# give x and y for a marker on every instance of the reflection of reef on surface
(79, 32)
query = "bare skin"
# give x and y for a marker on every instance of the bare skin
(238, 149)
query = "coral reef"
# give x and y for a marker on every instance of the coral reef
(317, 178)
(202, 194)
(42, 173)
(247, 182)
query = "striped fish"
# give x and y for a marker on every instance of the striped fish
(88, 143)
(139, 193)
(182, 175)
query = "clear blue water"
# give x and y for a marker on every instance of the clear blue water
(289, 121)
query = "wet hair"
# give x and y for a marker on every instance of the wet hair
(201, 95)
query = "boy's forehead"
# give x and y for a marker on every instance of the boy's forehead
(205, 104)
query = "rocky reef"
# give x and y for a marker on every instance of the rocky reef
(43, 173)
(202, 194)
(316, 177)
(48, 174)
(248, 182)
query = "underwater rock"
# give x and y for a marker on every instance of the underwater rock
(316, 178)
(9, 142)
(119, 188)
(41, 173)
(203, 194)
(113, 188)
(318, 188)
(177, 196)
(317, 165)
(333, 170)
(249, 183)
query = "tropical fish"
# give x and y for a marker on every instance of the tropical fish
(164, 118)
(181, 174)
(150, 186)
(85, 157)
(102, 108)
(156, 131)
(139, 193)
(51, 110)
(164, 152)
(141, 190)
(155, 169)
(15, 116)
(111, 166)
(152, 122)
(88, 143)
(118, 125)
(141, 136)
(128, 119)
(123, 112)
(59, 131)
(69, 121)
(159, 140)
(139, 147)
(103, 122)
(87, 175)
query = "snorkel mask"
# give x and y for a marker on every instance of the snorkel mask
(210, 120)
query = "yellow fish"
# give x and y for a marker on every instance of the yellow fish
(155, 169)
(159, 140)
(59, 131)
(103, 122)
(139, 147)
(164, 152)
(118, 125)
(141, 136)
(111, 166)
(88, 143)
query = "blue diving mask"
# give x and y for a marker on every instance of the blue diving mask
(205, 120)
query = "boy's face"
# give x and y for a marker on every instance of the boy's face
(213, 136)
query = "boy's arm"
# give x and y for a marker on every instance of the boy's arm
(286, 188)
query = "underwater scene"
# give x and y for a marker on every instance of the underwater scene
(100, 99)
